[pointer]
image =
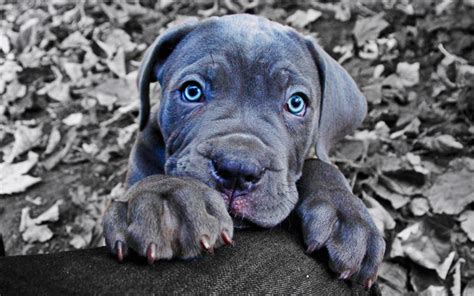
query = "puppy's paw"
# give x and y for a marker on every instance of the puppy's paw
(168, 217)
(340, 222)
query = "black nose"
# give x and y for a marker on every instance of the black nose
(237, 175)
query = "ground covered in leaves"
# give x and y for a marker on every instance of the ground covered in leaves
(68, 115)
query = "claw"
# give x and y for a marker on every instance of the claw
(205, 243)
(226, 238)
(151, 253)
(313, 247)
(119, 247)
(368, 284)
(345, 275)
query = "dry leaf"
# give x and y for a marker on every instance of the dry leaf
(37, 233)
(74, 71)
(452, 192)
(54, 159)
(382, 219)
(75, 119)
(467, 223)
(31, 228)
(117, 63)
(395, 195)
(408, 73)
(13, 178)
(469, 289)
(444, 144)
(417, 243)
(302, 18)
(25, 139)
(394, 274)
(53, 141)
(419, 206)
(367, 29)
(75, 40)
(78, 242)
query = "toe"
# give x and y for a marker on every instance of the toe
(346, 249)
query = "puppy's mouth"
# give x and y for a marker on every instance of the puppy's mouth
(237, 205)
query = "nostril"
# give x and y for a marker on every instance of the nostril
(225, 174)
(252, 178)
(221, 171)
(230, 173)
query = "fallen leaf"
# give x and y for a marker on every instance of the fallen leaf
(369, 50)
(50, 215)
(118, 38)
(37, 233)
(302, 18)
(417, 243)
(126, 134)
(54, 159)
(452, 192)
(25, 139)
(75, 40)
(32, 229)
(419, 206)
(456, 286)
(434, 291)
(53, 141)
(373, 93)
(467, 223)
(105, 99)
(4, 43)
(469, 289)
(36, 201)
(28, 34)
(369, 28)
(13, 178)
(74, 119)
(408, 73)
(74, 71)
(398, 193)
(444, 144)
(123, 90)
(382, 219)
(117, 63)
(79, 242)
(394, 274)
(412, 129)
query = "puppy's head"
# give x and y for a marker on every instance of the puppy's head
(243, 101)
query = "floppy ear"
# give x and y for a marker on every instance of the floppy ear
(153, 61)
(342, 107)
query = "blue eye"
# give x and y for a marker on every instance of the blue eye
(296, 104)
(192, 92)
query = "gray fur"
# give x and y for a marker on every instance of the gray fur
(248, 67)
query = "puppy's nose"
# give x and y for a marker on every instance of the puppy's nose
(240, 175)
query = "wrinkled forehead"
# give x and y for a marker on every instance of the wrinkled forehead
(250, 42)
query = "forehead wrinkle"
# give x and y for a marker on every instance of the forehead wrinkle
(288, 74)
(206, 66)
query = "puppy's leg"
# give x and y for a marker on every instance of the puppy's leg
(115, 227)
(332, 217)
(167, 217)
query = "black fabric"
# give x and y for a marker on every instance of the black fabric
(2, 247)
(262, 261)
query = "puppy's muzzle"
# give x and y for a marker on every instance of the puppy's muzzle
(236, 176)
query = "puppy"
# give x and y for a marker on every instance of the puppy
(243, 102)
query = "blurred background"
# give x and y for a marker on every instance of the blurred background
(69, 107)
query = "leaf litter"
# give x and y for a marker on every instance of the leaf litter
(68, 116)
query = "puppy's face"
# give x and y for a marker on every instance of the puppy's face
(240, 100)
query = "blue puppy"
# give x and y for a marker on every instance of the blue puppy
(245, 104)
